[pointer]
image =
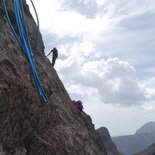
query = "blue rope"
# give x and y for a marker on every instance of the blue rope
(23, 40)
(37, 31)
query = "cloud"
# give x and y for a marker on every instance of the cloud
(125, 8)
(90, 34)
(126, 32)
(114, 81)
(89, 8)
(106, 57)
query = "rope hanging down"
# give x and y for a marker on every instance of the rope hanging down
(23, 40)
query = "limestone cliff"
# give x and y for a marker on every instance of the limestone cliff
(28, 126)
(107, 142)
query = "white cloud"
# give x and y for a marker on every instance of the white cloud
(116, 81)
(89, 35)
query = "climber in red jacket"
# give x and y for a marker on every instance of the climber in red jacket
(78, 104)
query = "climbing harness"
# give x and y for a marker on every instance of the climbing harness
(23, 40)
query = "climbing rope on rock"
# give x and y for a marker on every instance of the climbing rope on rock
(23, 40)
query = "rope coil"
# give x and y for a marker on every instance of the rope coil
(23, 40)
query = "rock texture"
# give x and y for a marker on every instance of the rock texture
(107, 141)
(28, 126)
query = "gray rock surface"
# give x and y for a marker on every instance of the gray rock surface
(1, 151)
(28, 126)
(107, 142)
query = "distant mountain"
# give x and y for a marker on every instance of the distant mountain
(147, 128)
(148, 151)
(144, 137)
(107, 142)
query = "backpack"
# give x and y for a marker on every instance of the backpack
(79, 105)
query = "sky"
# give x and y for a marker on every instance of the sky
(106, 57)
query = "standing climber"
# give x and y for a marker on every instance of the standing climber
(55, 55)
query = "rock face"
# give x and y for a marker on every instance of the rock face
(107, 141)
(28, 126)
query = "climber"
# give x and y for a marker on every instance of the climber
(74, 102)
(79, 105)
(55, 55)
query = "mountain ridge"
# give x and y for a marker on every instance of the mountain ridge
(148, 127)
(107, 141)
(143, 137)
(147, 151)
